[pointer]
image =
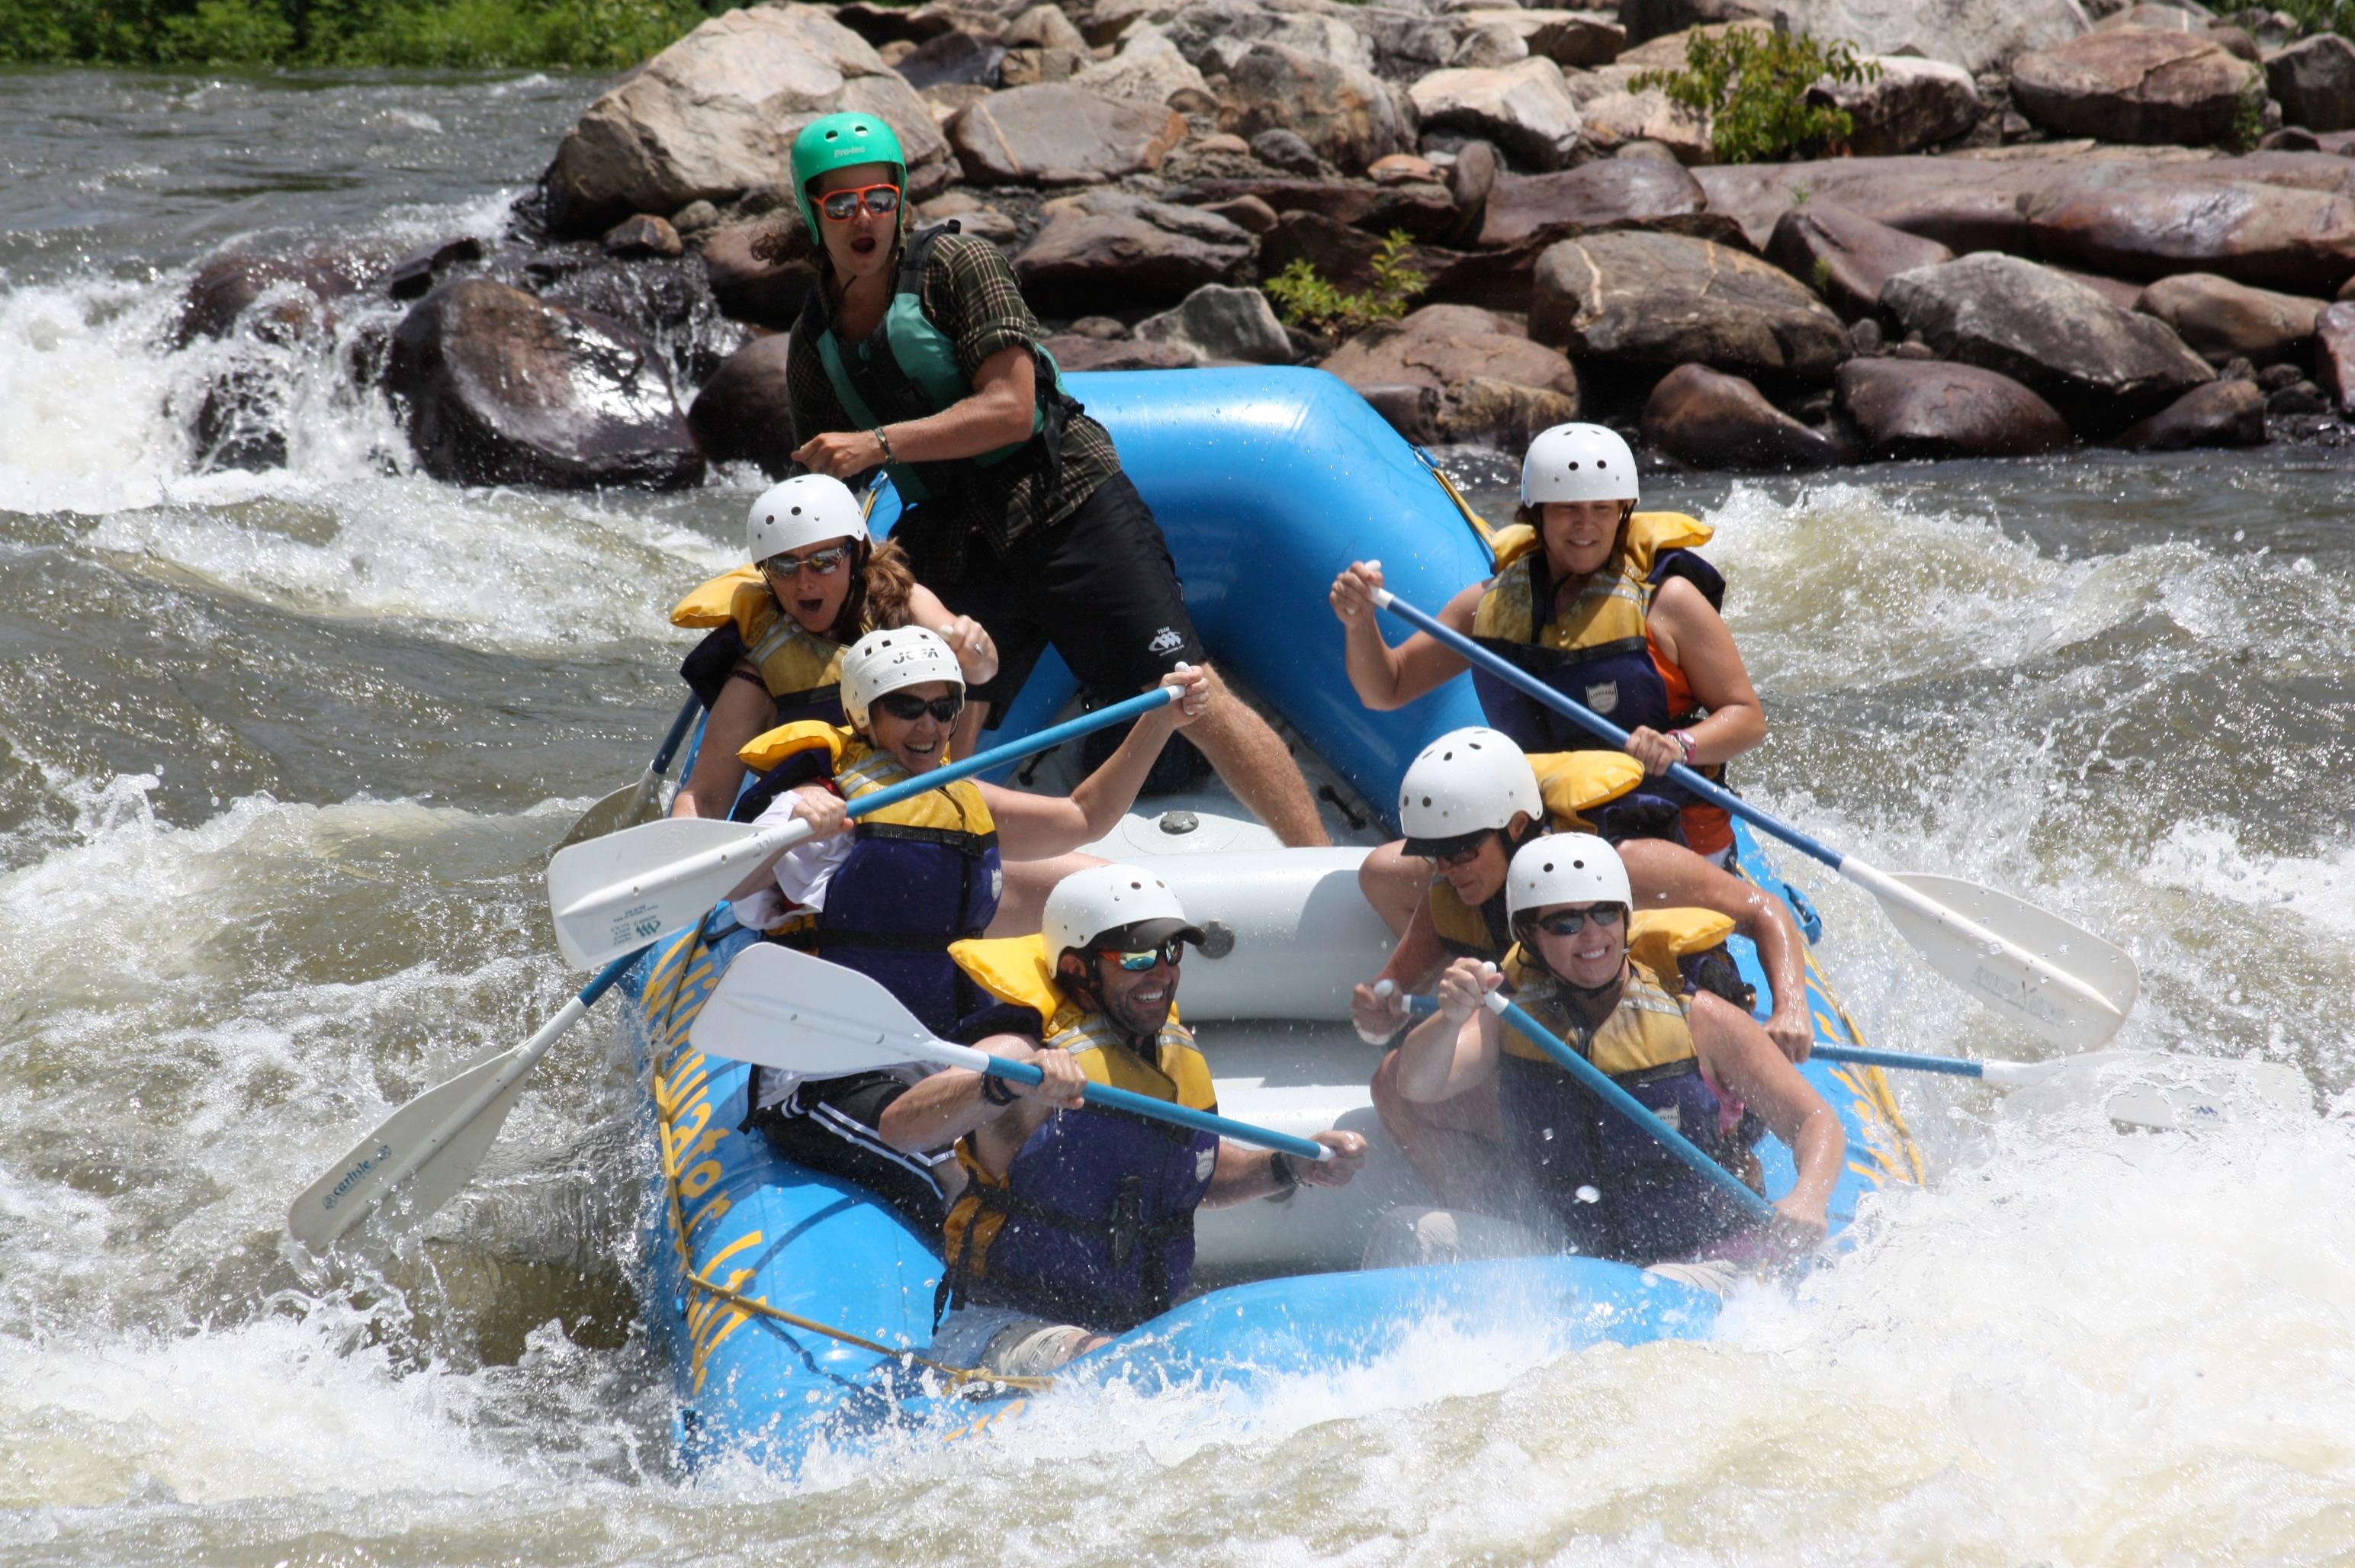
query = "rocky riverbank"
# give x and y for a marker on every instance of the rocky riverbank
(1975, 274)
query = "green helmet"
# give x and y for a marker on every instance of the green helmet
(838, 141)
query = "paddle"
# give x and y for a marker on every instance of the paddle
(633, 804)
(2057, 980)
(434, 1143)
(777, 1007)
(2139, 1089)
(612, 895)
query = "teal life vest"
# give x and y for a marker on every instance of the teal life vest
(906, 369)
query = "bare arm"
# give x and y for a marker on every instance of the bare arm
(1414, 964)
(945, 1106)
(1669, 876)
(1245, 1174)
(997, 413)
(1039, 826)
(1691, 634)
(1740, 1057)
(1455, 1049)
(744, 709)
(968, 639)
(1384, 676)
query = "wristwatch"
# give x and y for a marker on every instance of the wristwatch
(1279, 1165)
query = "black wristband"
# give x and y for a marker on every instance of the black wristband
(995, 1091)
(1279, 1165)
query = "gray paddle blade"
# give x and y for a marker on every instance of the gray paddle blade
(777, 1007)
(625, 807)
(2164, 1090)
(2014, 989)
(417, 1160)
(615, 894)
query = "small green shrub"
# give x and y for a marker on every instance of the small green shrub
(1303, 297)
(1753, 85)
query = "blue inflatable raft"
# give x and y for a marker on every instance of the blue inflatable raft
(785, 1300)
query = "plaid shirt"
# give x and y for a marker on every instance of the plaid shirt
(970, 296)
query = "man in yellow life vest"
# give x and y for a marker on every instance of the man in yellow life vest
(1468, 801)
(1077, 1224)
(1581, 1177)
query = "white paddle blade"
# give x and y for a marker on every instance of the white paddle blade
(615, 894)
(777, 1007)
(2067, 987)
(418, 1158)
(625, 807)
(2167, 1091)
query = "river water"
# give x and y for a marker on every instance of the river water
(282, 756)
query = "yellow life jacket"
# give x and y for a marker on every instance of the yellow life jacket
(1648, 1029)
(799, 668)
(1611, 605)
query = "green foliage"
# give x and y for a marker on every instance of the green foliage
(2320, 15)
(2249, 118)
(594, 34)
(1304, 298)
(1753, 85)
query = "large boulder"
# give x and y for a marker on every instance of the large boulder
(1479, 377)
(1148, 69)
(1975, 35)
(760, 273)
(1609, 192)
(1057, 133)
(1657, 301)
(1620, 118)
(2314, 80)
(1223, 323)
(2221, 413)
(1574, 39)
(1846, 256)
(2101, 367)
(1217, 34)
(1704, 419)
(744, 414)
(1345, 111)
(1926, 409)
(2224, 320)
(1524, 109)
(2150, 225)
(1912, 104)
(2334, 354)
(1111, 249)
(226, 287)
(715, 115)
(498, 388)
(2137, 86)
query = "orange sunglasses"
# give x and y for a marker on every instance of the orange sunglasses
(842, 205)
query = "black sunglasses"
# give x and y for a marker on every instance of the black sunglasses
(1462, 847)
(910, 708)
(1570, 921)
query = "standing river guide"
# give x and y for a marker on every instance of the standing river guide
(261, 903)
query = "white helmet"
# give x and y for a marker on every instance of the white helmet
(1112, 905)
(1566, 868)
(807, 509)
(883, 662)
(1468, 781)
(1577, 462)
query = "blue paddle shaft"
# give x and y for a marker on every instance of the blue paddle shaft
(1578, 713)
(1864, 1056)
(679, 729)
(1103, 1098)
(980, 761)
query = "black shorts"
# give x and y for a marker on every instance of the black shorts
(1098, 585)
(828, 1127)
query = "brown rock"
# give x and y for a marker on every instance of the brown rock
(1045, 27)
(1073, 354)
(751, 288)
(2334, 354)
(2236, 42)
(2301, 241)
(1524, 107)
(1912, 409)
(2135, 86)
(1571, 40)
(1420, 209)
(498, 387)
(1912, 104)
(1107, 250)
(225, 287)
(2103, 368)
(1469, 184)
(1342, 255)
(1609, 192)
(1664, 300)
(742, 414)
(2314, 80)
(1058, 135)
(2221, 319)
(1661, 31)
(1486, 380)
(1846, 256)
(2118, 290)
(1404, 168)
(2221, 413)
(1617, 120)
(1707, 420)
(1247, 212)
(1342, 110)
(642, 235)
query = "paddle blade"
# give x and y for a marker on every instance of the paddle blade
(2171, 1093)
(418, 1157)
(777, 1007)
(2017, 988)
(613, 895)
(625, 807)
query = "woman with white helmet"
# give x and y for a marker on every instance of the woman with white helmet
(1584, 1177)
(774, 655)
(1608, 605)
(886, 894)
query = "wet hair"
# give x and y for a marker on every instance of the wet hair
(880, 591)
